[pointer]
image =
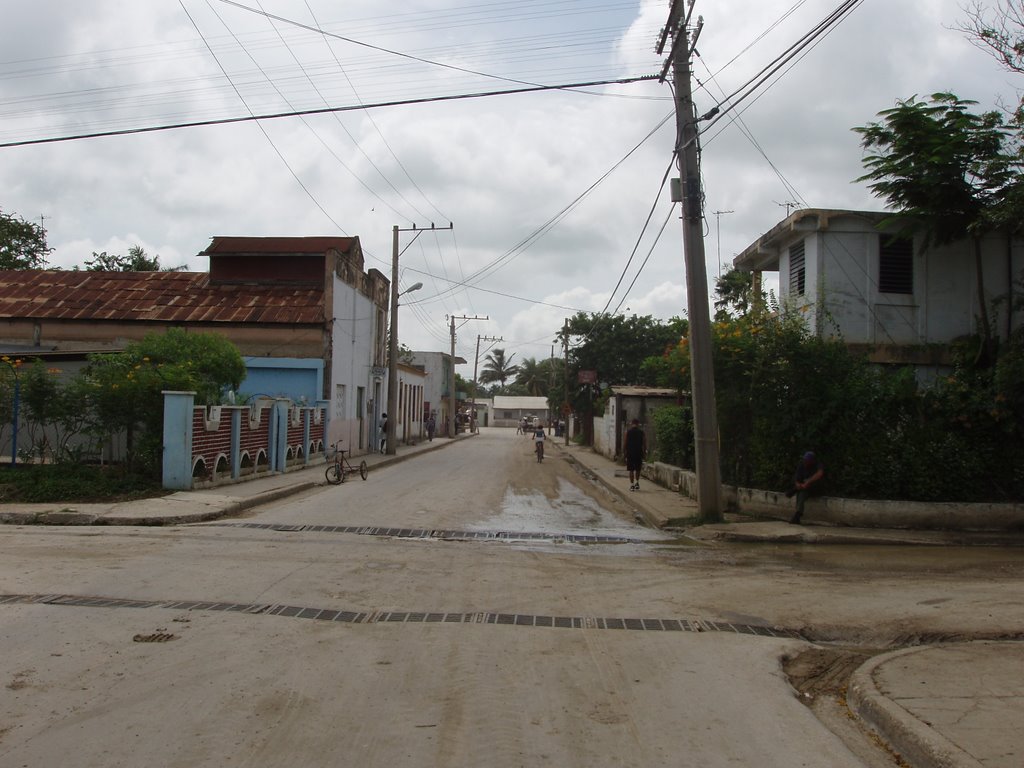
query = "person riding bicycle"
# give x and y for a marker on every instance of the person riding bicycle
(538, 441)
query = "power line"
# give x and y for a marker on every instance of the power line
(263, 130)
(326, 110)
(377, 48)
(744, 92)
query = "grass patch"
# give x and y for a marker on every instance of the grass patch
(81, 483)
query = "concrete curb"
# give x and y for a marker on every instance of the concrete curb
(921, 745)
(640, 512)
(62, 514)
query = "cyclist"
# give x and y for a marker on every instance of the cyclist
(538, 440)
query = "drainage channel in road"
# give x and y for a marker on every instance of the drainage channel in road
(403, 617)
(439, 533)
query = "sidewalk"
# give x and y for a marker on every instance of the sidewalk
(944, 706)
(660, 507)
(202, 505)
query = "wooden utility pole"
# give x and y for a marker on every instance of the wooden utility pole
(476, 363)
(451, 398)
(702, 377)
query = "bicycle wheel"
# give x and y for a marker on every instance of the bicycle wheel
(334, 474)
(363, 469)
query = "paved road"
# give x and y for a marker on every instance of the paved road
(467, 608)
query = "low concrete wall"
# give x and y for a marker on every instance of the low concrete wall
(857, 513)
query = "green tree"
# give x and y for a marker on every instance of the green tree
(22, 243)
(534, 377)
(615, 346)
(126, 386)
(498, 368)
(998, 30)
(736, 294)
(947, 172)
(137, 260)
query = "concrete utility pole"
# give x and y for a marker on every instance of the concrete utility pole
(702, 378)
(451, 398)
(476, 363)
(392, 411)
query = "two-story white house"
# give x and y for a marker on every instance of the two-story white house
(898, 299)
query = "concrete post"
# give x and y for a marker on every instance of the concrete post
(177, 440)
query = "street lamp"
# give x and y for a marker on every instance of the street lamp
(393, 356)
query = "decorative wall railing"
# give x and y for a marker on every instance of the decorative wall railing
(205, 446)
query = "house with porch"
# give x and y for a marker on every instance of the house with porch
(900, 300)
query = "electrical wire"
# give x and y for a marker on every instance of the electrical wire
(266, 135)
(325, 110)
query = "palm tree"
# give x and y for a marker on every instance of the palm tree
(498, 368)
(534, 376)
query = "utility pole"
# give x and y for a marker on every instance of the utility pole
(476, 363)
(392, 424)
(565, 405)
(451, 397)
(702, 378)
(718, 226)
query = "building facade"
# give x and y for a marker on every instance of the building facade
(309, 323)
(901, 299)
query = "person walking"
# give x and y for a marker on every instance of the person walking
(431, 426)
(383, 432)
(635, 450)
(806, 480)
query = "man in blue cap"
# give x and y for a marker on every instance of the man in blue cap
(809, 472)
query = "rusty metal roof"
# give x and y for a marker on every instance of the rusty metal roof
(169, 297)
(272, 246)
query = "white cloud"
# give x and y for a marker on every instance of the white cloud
(500, 168)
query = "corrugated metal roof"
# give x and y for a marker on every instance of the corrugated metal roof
(168, 297)
(270, 246)
(511, 402)
(633, 391)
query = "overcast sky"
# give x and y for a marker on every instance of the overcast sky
(547, 208)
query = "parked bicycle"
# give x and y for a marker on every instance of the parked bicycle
(341, 467)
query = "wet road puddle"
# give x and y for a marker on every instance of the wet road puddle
(571, 512)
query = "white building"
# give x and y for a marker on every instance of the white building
(439, 385)
(899, 300)
(510, 410)
(411, 415)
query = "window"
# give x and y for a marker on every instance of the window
(797, 273)
(895, 265)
